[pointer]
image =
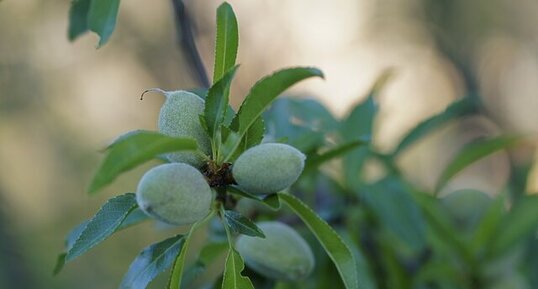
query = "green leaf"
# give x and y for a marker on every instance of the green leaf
(152, 261)
(207, 255)
(177, 270)
(136, 216)
(102, 18)
(302, 122)
(457, 109)
(397, 211)
(253, 137)
(314, 162)
(123, 137)
(335, 247)
(254, 134)
(78, 18)
(308, 113)
(487, 228)
(216, 102)
(521, 222)
(359, 124)
(265, 91)
(441, 225)
(227, 41)
(103, 224)
(60, 263)
(241, 224)
(133, 150)
(474, 152)
(232, 272)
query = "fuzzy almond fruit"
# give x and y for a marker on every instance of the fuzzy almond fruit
(282, 255)
(180, 117)
(268, 168)
(174, 193)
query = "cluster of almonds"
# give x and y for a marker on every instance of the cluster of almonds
(179, 192)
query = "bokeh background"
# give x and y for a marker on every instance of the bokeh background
(61, 102)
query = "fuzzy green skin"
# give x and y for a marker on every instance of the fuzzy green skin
(282, 255)
(174, 193)
(179, 117)
(268, 168)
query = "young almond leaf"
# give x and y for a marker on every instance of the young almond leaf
(440, 224)
(232, 278)
(206, 256)
(78, 18)
(241, 224)
(152, 261)
(60, 263)
(102, 225)
(69, 242)
(136, 216)
(340, 254)
(359, 124)
(123, 137)
(216, 102)
(177, 269)
(314, 162)
(227, 41)
(474, 152)
(253, 137)
(133, 150)
(265, 91)
(521, 222)
(102, 18)
(397, 211)
(457, 109)
(486, 230)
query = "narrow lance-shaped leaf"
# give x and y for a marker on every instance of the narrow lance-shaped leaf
(103, 224)
(69, 242)
(265, 91)
(397, 211)
(359, 124)
(455, 110)
(227, 41)
(252, 137)
(78, 18)
(474, 152)
(232, 278)
(206, 256)
(152, 261)
(133, 150)
(216, 102)
(177, 270)
(521, 222)
(254, 134)
(136, 216)
(102, 18)
(314, 162)
(335, 247)
(241, 224)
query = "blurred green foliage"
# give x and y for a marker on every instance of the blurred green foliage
(406, 237)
